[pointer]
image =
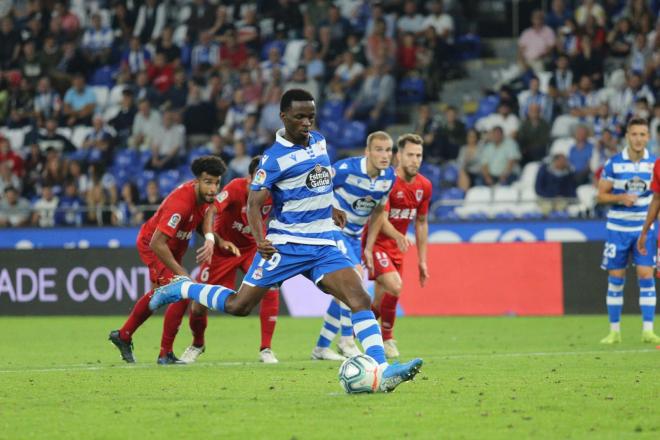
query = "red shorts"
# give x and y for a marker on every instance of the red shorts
(159, 274)
(223, 267)
(384, 263)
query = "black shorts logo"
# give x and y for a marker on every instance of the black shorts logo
(319, 179)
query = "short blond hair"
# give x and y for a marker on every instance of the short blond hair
(408, 137)
(378, 135)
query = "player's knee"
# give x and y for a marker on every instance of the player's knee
(359, 300)
(395, 288)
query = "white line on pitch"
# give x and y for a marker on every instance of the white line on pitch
(101, 367)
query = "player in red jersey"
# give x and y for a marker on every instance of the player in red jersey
(163, 240)
(220, 265)
(386, 242)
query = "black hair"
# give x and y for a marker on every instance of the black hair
(294, 95)
(254, 163)
(637, 121)
(212, 165)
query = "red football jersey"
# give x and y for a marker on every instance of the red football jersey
(231, 223)
(655, 181)
(406, 201)
(177, 217)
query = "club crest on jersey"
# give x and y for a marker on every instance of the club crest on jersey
(258, 273)
(259, 177)
(174, 220)
(399, 194)
(419, 194)
(364, 205)
(222, 196)
(319, 179)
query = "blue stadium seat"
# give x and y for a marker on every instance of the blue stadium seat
(353, 135)
(197, 152)
(143, 178)
(168, 180)
(411, 91)
(468, 47)
(330, 129)
(431, 172)
(452, 194)
(144, 158)
(332, 111)
(127, 158)
(449, 176)
(185, 173)
(103, 76)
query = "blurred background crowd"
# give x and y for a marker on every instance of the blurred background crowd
(104, 104)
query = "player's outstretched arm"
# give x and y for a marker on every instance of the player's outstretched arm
(159, 245)
(256, 200)
(651, 216)
(205, 252)
(422, 238)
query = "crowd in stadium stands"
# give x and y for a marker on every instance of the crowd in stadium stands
(104, 103)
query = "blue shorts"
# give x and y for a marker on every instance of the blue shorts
(351, 247)
(291, 259)
(620, 245)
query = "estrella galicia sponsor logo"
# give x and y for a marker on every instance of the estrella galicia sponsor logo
(364, 205)
(636, 186)
(319, 179)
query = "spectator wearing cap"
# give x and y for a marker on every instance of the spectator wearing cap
(536, 42)
(499, 160)
(580, 153)
(79, 103)
(14, 209)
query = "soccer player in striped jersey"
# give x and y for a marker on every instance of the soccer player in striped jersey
(387, 242)
(361, 186)
(296, 172)
(626, 185)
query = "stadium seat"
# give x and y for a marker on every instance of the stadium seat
(528, 194)
(479, 195)
(505, 194)
(102, 94)
(562, 146)
(527, 210)
(80, 132)
(64, 131)
(586, 194)
(168, 180)
(352, 135)
(127, 159)
(331, 129)
(197, 152)
(333, 111)
(103, 77)
(528, 176)
(563, 126)
(411, 91)
(16, 138)
(431, 172)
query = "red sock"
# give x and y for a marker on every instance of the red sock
(376, 311)
(388, 314)
(270, 306)
(173, 317)
(139, 314)
(198, 327)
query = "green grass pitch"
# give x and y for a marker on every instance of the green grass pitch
(484, 378)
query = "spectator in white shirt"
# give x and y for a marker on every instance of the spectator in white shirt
(410, 21)
(146, 125)
(43, 210)
(442, 23)
(168, 144)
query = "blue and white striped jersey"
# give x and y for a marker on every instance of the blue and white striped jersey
(357, 194)
(300, 181)
(631, 178)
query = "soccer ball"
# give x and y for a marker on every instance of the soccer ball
(360, 374)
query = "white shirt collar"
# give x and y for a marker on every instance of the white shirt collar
(279, 138)
(363, 167)
(626, 156)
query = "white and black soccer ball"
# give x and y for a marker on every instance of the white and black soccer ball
(360, 374)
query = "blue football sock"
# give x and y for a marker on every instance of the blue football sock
(647, 301)
(208, 295)
(331, 324)
(368, 332)
(614, 298)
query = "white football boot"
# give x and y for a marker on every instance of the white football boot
(390, 349)
(346, 347)
(326, 354)
(267, 356)
(191, 354)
